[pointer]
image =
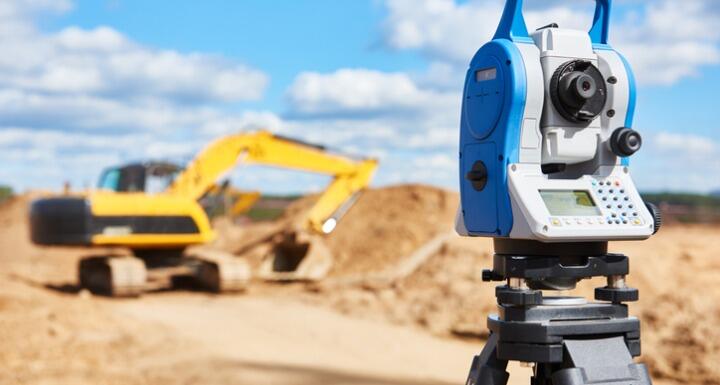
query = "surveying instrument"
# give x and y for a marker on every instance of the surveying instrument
(544, 144)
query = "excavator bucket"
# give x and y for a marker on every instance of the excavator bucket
(297, 256)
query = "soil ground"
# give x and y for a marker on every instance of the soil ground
(353, 328)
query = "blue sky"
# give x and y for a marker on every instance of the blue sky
(92, 83)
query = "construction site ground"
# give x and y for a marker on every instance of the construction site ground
(386, 314)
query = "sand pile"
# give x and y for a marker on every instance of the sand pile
(382, 228)
(388, 224)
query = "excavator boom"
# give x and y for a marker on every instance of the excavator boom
(263, 148)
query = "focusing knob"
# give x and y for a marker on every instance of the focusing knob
(578, 91)
(625, 142)
(656, 214)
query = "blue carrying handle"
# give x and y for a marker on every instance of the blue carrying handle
(512, 24)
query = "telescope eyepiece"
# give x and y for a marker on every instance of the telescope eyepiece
(584, 87)
(578, 91)
(577, 88)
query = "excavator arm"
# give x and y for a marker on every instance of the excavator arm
(350, 176)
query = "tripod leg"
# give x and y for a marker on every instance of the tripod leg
(486, 369)
(602, 361)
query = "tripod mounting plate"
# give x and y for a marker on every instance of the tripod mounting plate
(542, 267)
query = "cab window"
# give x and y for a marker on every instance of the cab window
(157, 182)
(110, 180)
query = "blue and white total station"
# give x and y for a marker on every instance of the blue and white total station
(545, 136)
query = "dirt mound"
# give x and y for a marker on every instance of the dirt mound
(388, 224)
(14, 220)
(384, 226)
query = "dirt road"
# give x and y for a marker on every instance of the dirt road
(271, 340)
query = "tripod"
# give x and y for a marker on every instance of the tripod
(569, 340)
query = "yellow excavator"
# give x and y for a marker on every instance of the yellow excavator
(153, 210)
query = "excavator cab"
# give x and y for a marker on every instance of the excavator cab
(148, 177)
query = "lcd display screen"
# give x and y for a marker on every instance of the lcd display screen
(569, 203)
(485, 74)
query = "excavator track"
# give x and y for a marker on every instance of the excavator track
(220, 272)
(115, 276)
(130, 276)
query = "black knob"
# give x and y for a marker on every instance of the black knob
(487, 275)
(656, 214)
(625, 142)
(478, 176)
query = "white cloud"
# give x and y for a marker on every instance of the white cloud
(247, 120)
(353, 91)
(665, 42)
(104, 65)
(687, 144)
(678, 162)
(448, 31)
